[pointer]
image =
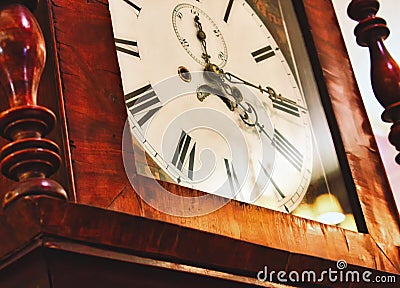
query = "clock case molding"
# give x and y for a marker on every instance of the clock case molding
(106, 224)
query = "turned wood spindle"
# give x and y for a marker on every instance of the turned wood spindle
(371, 31)
(28, 158)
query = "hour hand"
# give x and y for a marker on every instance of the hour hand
(205, 90)
(268, 90)
(201, 36)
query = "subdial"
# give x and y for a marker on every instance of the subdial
(187, 32)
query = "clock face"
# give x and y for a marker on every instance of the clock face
(215, 106)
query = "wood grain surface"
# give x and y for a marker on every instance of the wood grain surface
(95, 118)
(82, 234)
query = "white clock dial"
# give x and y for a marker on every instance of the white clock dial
(183, 21)
(241, 132)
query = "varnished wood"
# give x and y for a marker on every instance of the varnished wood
(22, 55)
(28, 158)
(238, 239)
(48, 91)
(30, 4)
(30, 272)
(96, 236)
(96, 117)
(360, 149)
(385, 72)
(98, 108)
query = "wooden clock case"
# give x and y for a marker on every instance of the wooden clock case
(107, 236)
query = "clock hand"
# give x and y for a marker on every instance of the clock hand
(217, 73)
(205, 90)
(225, 93)
(214, 75)
(230, 95)
(201, 35)
(268, 90)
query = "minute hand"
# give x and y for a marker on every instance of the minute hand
(268, 90)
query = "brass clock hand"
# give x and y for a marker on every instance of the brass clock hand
(268, 90)
(201, 35)
(225, 92)
(230, 95)
(216, 74)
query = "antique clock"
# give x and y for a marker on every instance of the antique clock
(201, 142)
(228, 112)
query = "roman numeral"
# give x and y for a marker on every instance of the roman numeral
(127, 46)
(232, 177)
(263, 53)
(182, 154)
(228, 10)
(286, 107)
(277, 189)
(134, 6)
(288, 150)
(286, 209)
(143, 100)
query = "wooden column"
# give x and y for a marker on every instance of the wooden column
(385, 72)
(28, 158)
